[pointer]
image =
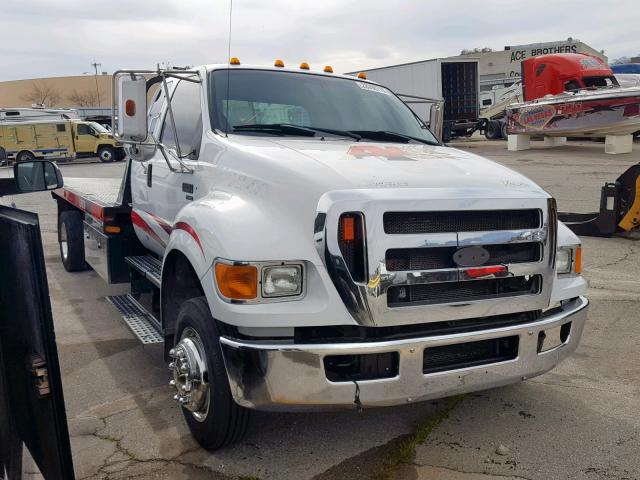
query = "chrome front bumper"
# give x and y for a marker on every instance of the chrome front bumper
(269, 376)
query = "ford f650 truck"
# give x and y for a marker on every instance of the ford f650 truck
(300, 240)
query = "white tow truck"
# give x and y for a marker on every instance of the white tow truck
(300, 240)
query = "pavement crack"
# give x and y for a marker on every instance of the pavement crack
(471, 472)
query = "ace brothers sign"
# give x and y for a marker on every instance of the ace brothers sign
(517, 56)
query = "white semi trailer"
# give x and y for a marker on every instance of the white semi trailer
(454, 81)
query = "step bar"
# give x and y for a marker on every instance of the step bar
(141, 323)
(148, 266)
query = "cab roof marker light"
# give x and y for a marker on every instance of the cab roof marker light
(304, 66)
(362, 75)
(278, 63)
(234, 61)
(328, 69)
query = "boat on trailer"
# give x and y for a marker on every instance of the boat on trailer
(573, 95)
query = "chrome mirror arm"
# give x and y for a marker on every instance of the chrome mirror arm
(183, 167)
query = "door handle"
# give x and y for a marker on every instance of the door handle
(149, 177)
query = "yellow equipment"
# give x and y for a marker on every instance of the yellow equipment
(619, 208)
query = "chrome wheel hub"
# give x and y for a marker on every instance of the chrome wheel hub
(190, 375)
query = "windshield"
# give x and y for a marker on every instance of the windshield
(259, 97)
(98, 128)
(600, 82)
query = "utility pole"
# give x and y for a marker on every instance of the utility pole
(95, 68)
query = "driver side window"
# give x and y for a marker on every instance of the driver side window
(187, 113)
(84, 129)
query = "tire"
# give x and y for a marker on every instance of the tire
(493, 130)
(225, 422)
(71, 240)
(504, 132)
(106, 153)
(25, 156)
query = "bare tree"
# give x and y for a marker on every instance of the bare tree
(42, 93)
(86, 98)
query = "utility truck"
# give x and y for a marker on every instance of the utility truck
(26, 140)
(298, 239)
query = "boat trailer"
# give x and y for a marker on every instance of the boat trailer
(619, 208)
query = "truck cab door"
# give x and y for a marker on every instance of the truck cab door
(32, 411)
(160, 192)
(84, 138)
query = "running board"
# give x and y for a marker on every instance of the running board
(138, 319)
(148, 266)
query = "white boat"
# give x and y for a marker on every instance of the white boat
(583, 113)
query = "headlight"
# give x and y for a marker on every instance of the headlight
(569, 260)
(259, 282)
(282, 281)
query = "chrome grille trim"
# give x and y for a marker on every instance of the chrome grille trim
(367, 302)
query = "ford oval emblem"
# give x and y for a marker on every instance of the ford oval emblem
(471, 257)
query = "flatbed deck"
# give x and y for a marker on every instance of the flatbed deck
(104, 192)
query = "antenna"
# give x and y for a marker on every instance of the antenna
(95, 68)
(228, 70)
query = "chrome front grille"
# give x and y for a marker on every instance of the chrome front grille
(449, 292)
(460, 221)
(412, 237)
(438, 258)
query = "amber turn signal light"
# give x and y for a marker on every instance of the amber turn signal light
(130, 108)
(348, 230)
(577, 264)
(237, 282)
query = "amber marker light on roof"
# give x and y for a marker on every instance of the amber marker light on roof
(234, 61)
(328, 69)
(278, 63)
(362, 75)
(304, 66)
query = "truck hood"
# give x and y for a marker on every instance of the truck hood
(335, 164)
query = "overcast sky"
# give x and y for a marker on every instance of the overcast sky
(42, 38)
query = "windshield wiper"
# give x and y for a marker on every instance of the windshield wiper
(275, 129)
(390, 136)
(289, 129)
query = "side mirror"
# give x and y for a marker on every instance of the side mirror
(37, 176)
(132, 108)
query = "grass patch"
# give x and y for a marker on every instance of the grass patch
(406, 450)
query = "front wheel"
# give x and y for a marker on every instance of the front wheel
(200, 378)
(106, 154)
